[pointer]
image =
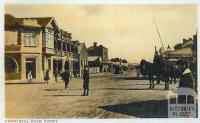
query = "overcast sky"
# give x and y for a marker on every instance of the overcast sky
(127, 31)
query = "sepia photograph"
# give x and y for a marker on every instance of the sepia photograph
(100, 61)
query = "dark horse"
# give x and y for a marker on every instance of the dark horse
(150, 69)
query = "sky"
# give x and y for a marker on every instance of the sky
(127, 30)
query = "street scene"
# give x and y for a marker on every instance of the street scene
(100, 61)
(110, 97)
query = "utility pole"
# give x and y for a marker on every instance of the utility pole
(158, 33)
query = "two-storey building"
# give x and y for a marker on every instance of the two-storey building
(23, 52)
(82, 58)
(35, 44)
(99, 52)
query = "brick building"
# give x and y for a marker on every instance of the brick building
(101, 54)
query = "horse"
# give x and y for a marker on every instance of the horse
(147, 68)
(150, 69)
(173, 73)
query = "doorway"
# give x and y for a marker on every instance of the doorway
(31, 65)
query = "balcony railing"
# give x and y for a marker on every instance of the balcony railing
(12, 47)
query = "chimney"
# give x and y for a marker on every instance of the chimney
(194, 38)
(95, 44)
(184, 41)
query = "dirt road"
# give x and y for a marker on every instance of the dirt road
(109, 97)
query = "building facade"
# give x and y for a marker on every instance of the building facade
(100, 52)
(187, 50)
(23, 52)
(35, 44)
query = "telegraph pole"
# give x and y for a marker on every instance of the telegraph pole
(158, 33)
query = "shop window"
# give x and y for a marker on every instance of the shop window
(10, 65)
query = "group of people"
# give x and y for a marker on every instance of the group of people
(66, 78)
(187, 71)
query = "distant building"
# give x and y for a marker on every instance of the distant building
(82, 58)
(94, 63)
(99, 52)
(187, 50)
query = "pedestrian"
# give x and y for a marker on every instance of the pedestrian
(86, 78)
(29, 76)
(193, 68)
(186, 80)
(46, 78)
(65, 77)
(56, 74)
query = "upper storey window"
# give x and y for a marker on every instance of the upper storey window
(30, 39)
(49, 38)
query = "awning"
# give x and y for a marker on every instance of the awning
(184, 52)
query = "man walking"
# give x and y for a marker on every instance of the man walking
(56, 74)
(86, 78)
(65, 76)
(46, 78)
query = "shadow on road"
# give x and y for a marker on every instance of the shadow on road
(132, 78)
(23, 83)
(133, 89)
(117, 88)
(54, 89)
(144, 109)
(61, 95)
(138, 84)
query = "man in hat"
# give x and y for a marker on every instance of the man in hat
(193, 68)
(86, 78)
(66, 77)
(186, 79)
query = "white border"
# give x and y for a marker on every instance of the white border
(143, 120)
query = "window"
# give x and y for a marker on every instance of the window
(43, 64)
(11, 65)
(75, 49)
(68, 47)
(64, 46)
(72, 48)
(49, 40)
(29, 39)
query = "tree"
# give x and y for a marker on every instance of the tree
(124, 61)
(178, 46)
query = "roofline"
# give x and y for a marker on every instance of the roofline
(33, 17)
(55, 23)
(98, 46)
(51, 18)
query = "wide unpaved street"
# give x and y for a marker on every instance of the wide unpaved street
(109, 98)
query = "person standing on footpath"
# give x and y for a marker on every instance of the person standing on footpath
(66, 76)
(46, 78)
(186, 80)
(29, 76)
(86, 78)
(56, 74)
